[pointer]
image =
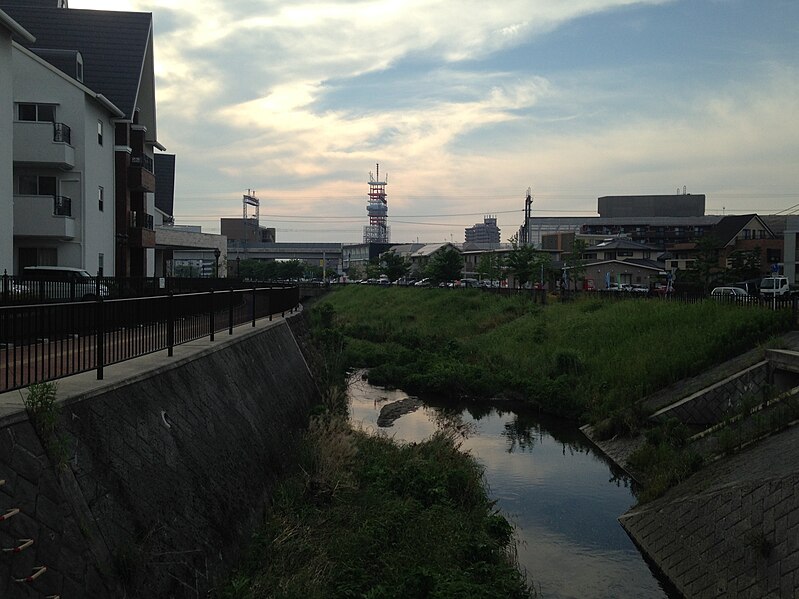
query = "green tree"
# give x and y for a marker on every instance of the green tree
(573, 262)
(445, 265)
(394, 266)
(373, 269)
(743, 265)
(705, 269)
(490, 266)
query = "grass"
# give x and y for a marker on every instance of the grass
(366, 517)
(586, 360)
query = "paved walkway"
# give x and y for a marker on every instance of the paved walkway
(122, 373)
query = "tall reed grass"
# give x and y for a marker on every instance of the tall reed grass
(585, 359)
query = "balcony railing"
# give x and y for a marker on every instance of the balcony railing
(143, 161)
(62, 206)
(62, 133)
(141, 220)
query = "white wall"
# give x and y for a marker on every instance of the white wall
(6, 158)
(35, 82)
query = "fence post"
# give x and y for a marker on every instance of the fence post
(170, 324)
(230, 312)
(5, 286)
(99, 343)
(211, 312)
(269, 302)
(253, 305)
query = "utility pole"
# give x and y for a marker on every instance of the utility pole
(528, 208)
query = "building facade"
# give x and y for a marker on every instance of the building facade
(485, 232)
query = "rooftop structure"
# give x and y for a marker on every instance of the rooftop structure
(377, 209)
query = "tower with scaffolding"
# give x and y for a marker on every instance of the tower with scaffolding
(377, 209)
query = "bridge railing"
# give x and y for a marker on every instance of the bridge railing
(44, 342)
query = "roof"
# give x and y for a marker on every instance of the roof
(431, 248)
(15, 28)
(164, 182)
(618, 243)
(729, 227)
(113, 45)
(647, 264)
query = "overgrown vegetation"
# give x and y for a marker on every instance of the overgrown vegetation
(368, 518)
(589, 360)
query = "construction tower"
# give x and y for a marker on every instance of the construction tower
(377, 231)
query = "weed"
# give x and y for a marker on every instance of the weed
(43, 411)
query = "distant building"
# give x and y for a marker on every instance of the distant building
(685, 204)
(246, 230)
(485, 232)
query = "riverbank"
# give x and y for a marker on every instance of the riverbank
(588, 360)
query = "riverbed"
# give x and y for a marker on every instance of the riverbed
(562, 496)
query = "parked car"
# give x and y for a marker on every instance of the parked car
(728, 294)
(422, 283)
(620, 287)
(62, 283)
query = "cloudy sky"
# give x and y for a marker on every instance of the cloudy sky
(465, 104)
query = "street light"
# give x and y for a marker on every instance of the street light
(217, 253)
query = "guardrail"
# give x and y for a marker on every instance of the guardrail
(44, 342)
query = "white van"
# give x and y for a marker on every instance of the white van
(61, 283)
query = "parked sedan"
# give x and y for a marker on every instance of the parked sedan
(729, 294)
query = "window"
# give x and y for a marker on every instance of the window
(32, 185)
(36, 112)
(100, 132)
(100, 197)
(100, 263)
(79, 67)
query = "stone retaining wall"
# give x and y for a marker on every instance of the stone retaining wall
(165, 476)
(710, 405)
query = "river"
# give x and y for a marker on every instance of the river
(563, 497)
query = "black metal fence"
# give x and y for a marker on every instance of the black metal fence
(43, 342)
(45, 288)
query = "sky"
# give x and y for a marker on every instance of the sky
(466, 104)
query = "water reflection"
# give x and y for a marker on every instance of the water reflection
(563, 498)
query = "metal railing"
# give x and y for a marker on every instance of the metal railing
(62, 206)
(62, 133)
(44, 342)
(141, 220)
(143, 161)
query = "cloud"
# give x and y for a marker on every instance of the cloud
(466, 104)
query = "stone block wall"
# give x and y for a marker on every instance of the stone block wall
(710, 405)
(166, 475)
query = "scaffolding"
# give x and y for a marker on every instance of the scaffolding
(377, 209)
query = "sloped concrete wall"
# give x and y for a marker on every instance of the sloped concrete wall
(166, 476)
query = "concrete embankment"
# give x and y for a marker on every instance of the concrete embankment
(160, 473)
(731, 529)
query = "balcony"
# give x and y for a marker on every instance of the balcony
(141, 233)
(44, 144)
(141, 175)
(44, 216)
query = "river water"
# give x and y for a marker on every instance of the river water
(563, 497)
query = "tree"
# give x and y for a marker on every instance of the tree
(445, 265)
(490, 266)
(394, 266)
(524, 262)
(705, 269)
(573, 262)
(744, 264)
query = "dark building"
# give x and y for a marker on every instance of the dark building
(651, 205)
(246, 230)
(485, 232)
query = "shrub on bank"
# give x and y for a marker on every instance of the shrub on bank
(375, 519)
